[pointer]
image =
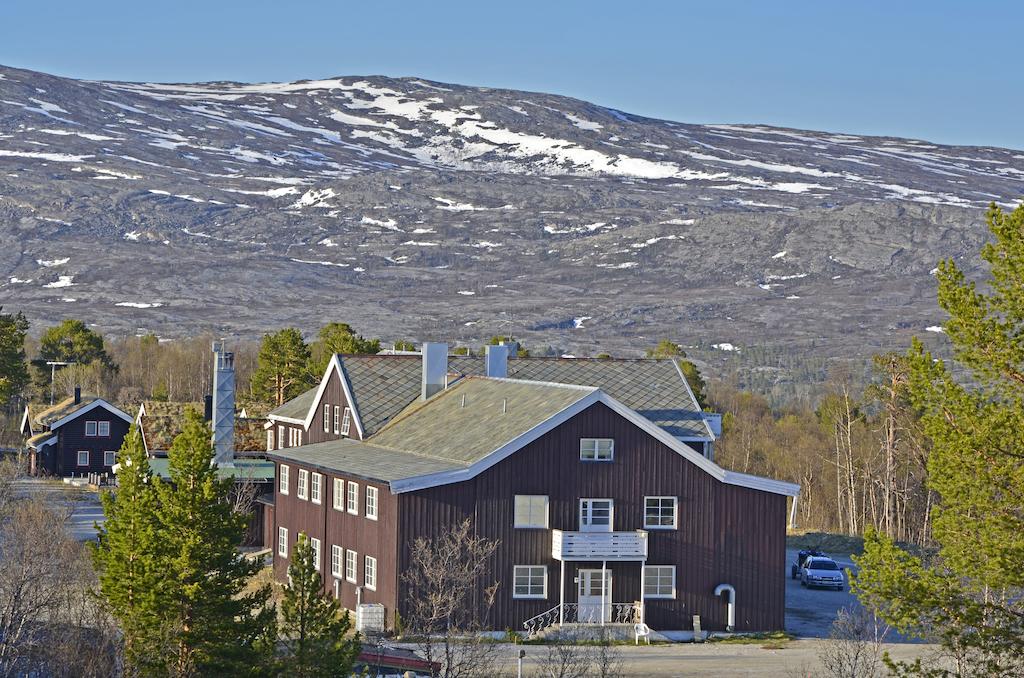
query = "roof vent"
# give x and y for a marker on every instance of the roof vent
(435, 369)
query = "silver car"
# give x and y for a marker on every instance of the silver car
(822, 572)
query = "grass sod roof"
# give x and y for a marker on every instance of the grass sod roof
(62, 409)
(163, 420)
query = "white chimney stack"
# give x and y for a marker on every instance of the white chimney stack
(496, 360)
(223, 405)
(435, 368)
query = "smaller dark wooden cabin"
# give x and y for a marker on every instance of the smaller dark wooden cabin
(78, 436)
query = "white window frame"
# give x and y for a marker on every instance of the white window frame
(648, 569)
(327, 418)
(78, 458)
(370, 573)
(530, 583)
(594, 454)
(112, 457)
(351, 566)
(315, 545)
(346, 421)
(316, 488)
(338, 496)
(372, 497)
(337, 419)
(352, 498)
(94, 426)
(589, 514)
(530, 522)
(282, 542)
(302, 484)
(270, 439)
(280, 436)
(660, 512)
(337, 561)
(282, 482)
(102, 426)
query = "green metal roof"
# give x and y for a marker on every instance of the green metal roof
(251, 469)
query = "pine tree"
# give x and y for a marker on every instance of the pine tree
(213, 624)
(124, 556)
(334, 338)
(13, 370)
(282, 370)
(313, 629)
(969, 598)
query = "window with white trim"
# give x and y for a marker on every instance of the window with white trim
(282, 542)
(315, 544)
(327, 418)
(90, 429)
(596, 515)
(302, 489)
(531, 510)
(282, 482)
(103, 430)
(351, 565)
(529, 581)
(370, 573)
(337, 556)
(346, 421)
(337, 418)
(270, 439)
(371, 502)
(109, 458)
(314, 492)
(339, 494)
(353, 498)
(83, 457)
(280, 436)
(659, 581)
(597, 449)
(660, 513)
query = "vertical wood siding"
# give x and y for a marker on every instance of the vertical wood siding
(72, 438)
(726, 534)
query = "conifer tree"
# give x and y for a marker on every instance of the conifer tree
(313, 631)
(970, 597)
(283, 369)
(124, 555)
(212, 624)
(13, 369)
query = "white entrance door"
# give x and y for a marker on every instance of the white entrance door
(596, 515)
(590, 597)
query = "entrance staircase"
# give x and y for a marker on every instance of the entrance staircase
(568, 615)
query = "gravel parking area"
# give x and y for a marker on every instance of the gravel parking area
(810, 612)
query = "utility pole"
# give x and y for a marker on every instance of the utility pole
(53, 372)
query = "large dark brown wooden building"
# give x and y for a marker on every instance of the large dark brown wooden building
(75, 437)
(595, 476)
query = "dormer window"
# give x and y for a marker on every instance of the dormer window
(597, 449)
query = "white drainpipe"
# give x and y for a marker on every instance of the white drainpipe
(727, 588)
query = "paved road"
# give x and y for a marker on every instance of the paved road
(84, 504)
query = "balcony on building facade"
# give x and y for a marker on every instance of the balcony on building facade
(599, 545)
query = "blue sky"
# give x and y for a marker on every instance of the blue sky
(949, 72)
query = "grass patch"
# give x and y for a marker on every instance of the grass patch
(776, 640)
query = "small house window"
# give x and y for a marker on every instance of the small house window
(280, 437)
(282, 483)
(336, 561)
(660, 581)
(103, 429)
(660, 513)
(531, 510)
(346, 421)
(90, 429)
(337, 418)
(529, 581)
(314, 494)
(371, 502)
(302, 491)
(370, 573)
(353, 498)
(339, 494)
(282, 542)
(351, 565)
(315, 543)
(597, 449)
(327, 418)
(270, 439)
(83, 457)
(109, 458)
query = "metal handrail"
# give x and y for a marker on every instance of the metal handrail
(569, 613)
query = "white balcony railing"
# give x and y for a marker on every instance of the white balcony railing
(599, 545)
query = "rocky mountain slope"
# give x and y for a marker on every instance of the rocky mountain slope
(424, 210)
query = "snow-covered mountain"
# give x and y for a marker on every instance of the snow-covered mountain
(429, 210)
